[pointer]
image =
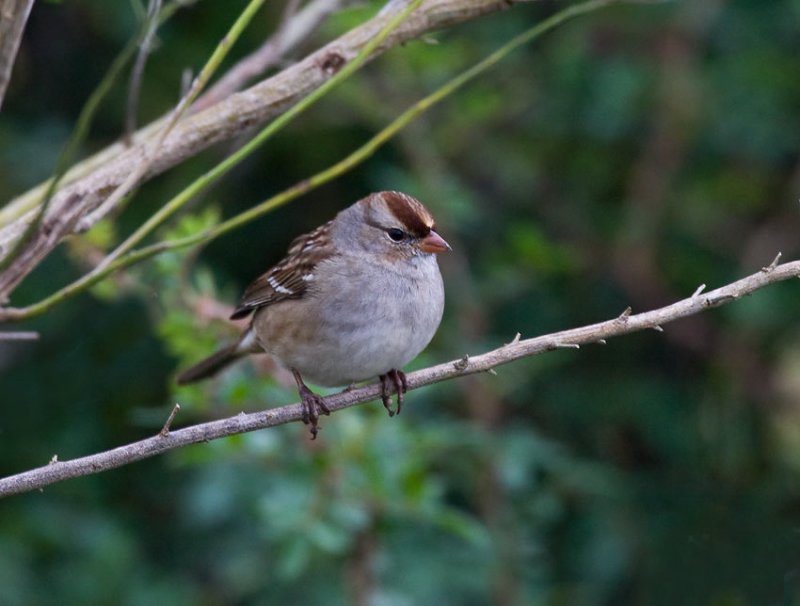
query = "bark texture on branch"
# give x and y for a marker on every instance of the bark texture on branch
(86, 186)
(625, 323)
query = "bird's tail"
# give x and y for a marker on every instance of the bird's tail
(220, 359)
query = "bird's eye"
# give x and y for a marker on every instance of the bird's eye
(396, 235)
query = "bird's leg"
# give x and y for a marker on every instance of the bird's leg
(398, 380)
(313, 405)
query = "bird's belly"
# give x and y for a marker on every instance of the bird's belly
(353, 352)
(348, 343)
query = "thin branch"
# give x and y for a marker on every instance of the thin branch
(518, 348)
(13, 16)
(23, 335)
(774, 263)
(134, 88)
(94, 178)
(168, 423)
(295, 27)
(699, 290)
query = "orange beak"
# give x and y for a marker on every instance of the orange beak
(433, 243)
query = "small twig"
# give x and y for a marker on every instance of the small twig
(462, 364)
(699, 289)
(22, 335)
(186, 80)
(168, 423)
(134, 88)
(566, 346)
(657, 328)
(623, 317)
(773, 265)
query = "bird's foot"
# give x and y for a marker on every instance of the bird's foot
(397, 378)
(313, 405)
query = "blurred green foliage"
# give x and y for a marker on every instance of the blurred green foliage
(622, 160)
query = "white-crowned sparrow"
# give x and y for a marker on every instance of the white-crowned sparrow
(358, 297)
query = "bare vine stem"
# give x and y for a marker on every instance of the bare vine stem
(627, 322)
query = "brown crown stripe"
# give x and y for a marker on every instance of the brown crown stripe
(410, 212)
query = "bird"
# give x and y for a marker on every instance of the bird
(358, 297)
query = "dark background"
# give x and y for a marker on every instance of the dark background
(622, 160)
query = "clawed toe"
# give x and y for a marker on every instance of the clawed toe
(397, 378)
(313, 405)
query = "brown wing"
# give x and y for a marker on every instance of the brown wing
(290, 277)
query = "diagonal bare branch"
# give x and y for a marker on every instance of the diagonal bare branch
(164, 441)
